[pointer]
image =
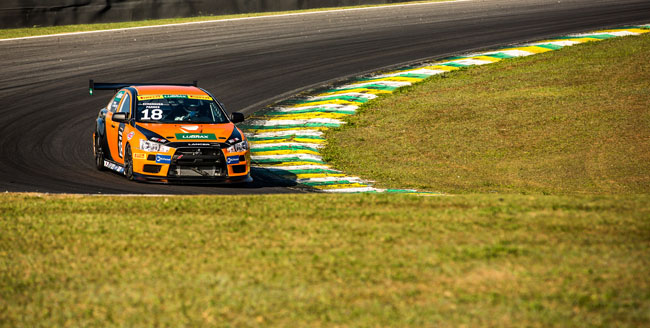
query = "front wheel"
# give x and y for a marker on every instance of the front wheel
(128, 163)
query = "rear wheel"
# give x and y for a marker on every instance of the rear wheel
(128, 163)
(99, 154)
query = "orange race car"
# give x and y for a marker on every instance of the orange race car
(169, 133)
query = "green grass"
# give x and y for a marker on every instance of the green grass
(325, 260)
(499, 253)
(47, 30)
(573, 121)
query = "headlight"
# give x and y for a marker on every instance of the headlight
(153, 146)
(238, 147)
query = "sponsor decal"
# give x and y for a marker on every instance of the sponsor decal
(130, 135)
(232, 160)
(156, 139)
(120, 144)
(195, 136)
(163, 159)
(149, 97)
(199, 97)
(238, 147)
(139, 156)
(113, 166)
(199, 144)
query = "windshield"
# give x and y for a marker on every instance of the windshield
(179, 109)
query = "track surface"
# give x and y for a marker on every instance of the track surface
(47, 117)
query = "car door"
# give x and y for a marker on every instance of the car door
(112, 128)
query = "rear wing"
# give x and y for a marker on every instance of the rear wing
(92, 85)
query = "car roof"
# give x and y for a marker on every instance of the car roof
(168, 90)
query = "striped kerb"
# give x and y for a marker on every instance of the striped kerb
(286, 138)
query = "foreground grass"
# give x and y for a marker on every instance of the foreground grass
(47, 30)
(572, 121)
(325, 260)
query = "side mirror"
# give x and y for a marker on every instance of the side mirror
(237, 117)
(119, 117)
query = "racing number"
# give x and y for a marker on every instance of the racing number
(156, 114)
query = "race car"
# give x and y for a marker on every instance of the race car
(169, 133)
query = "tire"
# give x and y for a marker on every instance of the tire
(99, 155)
(128, 163)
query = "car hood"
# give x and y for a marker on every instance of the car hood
(187, 132)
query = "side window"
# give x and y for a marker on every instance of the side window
(112, 107)
(126, 105)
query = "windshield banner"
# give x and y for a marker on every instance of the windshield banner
(149, 97)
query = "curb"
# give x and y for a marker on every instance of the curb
(286, 137)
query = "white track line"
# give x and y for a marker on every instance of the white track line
(234, 19)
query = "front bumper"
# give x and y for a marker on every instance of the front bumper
(193, 165)
(194, 180)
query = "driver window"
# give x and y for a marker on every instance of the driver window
(112, 107)
(126, 105)
(216, 113)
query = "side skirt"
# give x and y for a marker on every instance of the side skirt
(119, 168)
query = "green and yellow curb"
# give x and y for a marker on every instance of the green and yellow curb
(286, 138)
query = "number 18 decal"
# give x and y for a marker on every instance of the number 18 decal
(156, 114)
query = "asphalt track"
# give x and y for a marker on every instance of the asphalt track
(47, 116)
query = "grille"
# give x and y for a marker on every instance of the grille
(151, 168)
(198, 162)
(239, 168)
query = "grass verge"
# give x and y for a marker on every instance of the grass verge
(48, 30)
(573, 121)
(325, 260)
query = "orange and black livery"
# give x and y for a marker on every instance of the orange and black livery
(169, 133)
